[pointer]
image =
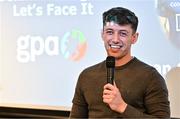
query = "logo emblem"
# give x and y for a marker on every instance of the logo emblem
(73, 45)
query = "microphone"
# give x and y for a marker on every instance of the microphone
(110, 65)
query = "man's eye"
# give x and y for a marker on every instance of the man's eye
(109, 32)
(123, 34)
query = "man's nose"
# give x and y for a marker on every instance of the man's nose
(115, 38)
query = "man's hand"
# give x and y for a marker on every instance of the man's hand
(112, 96)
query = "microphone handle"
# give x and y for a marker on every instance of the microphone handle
(110, 75)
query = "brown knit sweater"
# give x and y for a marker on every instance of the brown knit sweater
(141, 86)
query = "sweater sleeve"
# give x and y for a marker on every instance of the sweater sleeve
(155, 100)
(79, 107)
(79, 111)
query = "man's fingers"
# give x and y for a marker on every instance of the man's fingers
(107, 92)
(107, 98)
(109, 86)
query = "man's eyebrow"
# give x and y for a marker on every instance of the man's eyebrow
(108, 29)
(124, 31)
(118, 30)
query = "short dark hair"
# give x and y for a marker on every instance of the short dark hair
(121, 16)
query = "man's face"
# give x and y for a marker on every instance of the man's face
(118, 39)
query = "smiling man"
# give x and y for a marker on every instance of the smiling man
(139, 91)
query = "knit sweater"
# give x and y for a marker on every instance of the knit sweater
(141, 87)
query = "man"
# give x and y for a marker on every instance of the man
(139, 91)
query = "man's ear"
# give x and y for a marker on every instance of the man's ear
(134, 38)
(102, 32)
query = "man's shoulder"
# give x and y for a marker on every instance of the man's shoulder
(96, 67)
(93, 70)
(143, 66)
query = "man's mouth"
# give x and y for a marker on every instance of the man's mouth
(114, 46)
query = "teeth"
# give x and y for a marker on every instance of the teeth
(115, 46)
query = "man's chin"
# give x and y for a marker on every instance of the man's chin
(117, 56)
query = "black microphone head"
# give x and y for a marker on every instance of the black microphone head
(110, 62)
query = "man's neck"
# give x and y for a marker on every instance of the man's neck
(123, 60)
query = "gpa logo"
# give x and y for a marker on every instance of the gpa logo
(72, 46)
(169, 14)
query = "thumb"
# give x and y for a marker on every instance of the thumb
(114, 84)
